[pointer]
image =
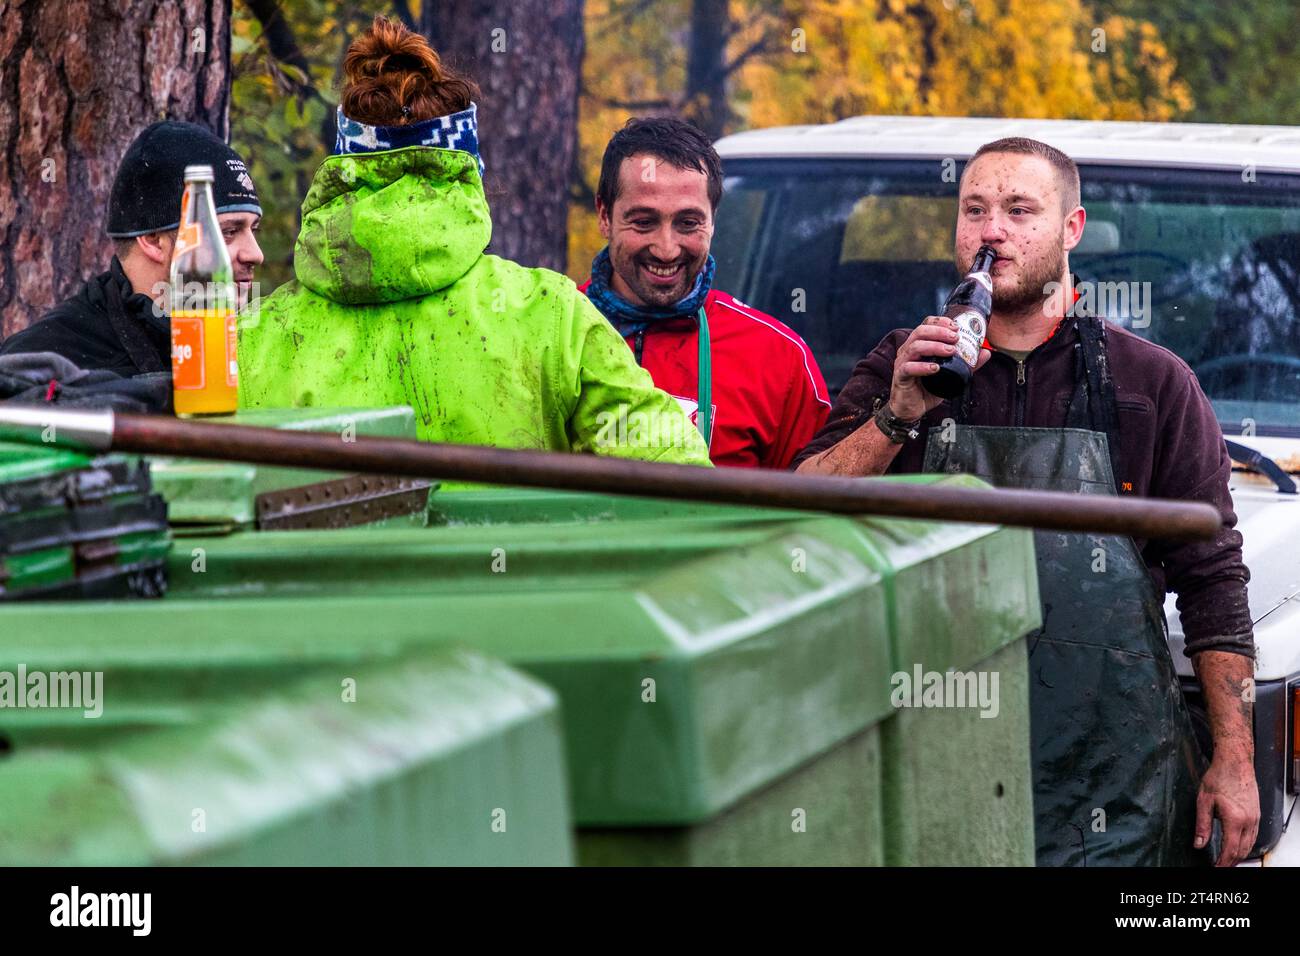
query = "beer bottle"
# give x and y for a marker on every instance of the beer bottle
(205, 376)
(969, 304)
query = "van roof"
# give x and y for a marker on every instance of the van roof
(1106, 142)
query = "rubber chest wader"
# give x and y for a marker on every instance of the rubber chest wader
(1116, 763)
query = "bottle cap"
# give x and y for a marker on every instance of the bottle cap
(198, 174)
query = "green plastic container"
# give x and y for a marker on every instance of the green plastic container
(78, 526)
(725, 673)
(497, 505)
(363, 757)
(701, 560)
(958, 778)
(697, 605)
(217, 497)
(697, 667)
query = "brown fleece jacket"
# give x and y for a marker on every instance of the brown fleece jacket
(1171, 446)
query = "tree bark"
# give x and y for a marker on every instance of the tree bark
(526, 56)
(78, 80)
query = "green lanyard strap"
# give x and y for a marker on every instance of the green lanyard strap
(704, 415)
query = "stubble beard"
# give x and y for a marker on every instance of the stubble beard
(630, 271)
(1033, 289)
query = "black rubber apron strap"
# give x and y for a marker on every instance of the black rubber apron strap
(1093, 406)
(1094, 395)
(130, 335)
(1099, 667)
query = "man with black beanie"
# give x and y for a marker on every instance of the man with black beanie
(118, 321)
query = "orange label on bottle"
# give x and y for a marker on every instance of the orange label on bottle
(232, 351)
(189, 235)
(187, 352)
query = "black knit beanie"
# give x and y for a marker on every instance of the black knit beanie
(146, 194)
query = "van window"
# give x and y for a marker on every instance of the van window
(1205, 263)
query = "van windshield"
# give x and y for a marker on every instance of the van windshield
(1205, 263)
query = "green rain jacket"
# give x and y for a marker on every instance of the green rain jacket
(396, 304)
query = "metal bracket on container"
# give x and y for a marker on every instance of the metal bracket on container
(341, 503)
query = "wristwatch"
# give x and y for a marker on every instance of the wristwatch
(896, 429)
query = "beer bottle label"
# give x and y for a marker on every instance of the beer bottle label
(970, 335)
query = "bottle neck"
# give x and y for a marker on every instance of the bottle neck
(984, 260)
(201, 274)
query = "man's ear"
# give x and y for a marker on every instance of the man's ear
(1073, 232)
(157, 246)
(602, 217)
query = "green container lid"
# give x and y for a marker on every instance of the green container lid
(220, 496)
(728, 624)
(711, 662)
(732, 624)
(365, 758)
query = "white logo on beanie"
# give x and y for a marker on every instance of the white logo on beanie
(237, 166)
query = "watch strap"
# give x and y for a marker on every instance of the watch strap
(896, 429)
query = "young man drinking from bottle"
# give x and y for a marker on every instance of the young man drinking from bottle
(1066, 402)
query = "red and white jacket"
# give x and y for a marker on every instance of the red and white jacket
(769, 398)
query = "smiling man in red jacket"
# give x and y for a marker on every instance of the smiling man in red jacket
(749, 383)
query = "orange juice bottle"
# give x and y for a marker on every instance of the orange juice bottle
(205, 375)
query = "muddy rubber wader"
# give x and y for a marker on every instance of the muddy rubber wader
(1116, 763)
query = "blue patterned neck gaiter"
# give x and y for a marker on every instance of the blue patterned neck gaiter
(454, 131)
(630, 319)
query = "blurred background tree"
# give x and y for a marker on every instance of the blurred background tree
(736, 64)
(284, 90)
(569, 73)
(526, 56)
(766, 63)
(78, 81)
(1237, 59)
(287, 63)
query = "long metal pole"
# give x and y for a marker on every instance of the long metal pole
(1145, 518)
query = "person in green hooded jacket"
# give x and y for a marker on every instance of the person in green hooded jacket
(395, 302)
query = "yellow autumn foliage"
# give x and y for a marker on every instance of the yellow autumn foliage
(831, 59)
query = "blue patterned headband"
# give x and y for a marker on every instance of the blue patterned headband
(457, 131)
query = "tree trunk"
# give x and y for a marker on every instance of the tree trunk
(78, 80)
(706, 102)
(526, 56)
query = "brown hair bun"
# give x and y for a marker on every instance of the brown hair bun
(393, 78)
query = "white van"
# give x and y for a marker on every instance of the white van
(845, 232)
